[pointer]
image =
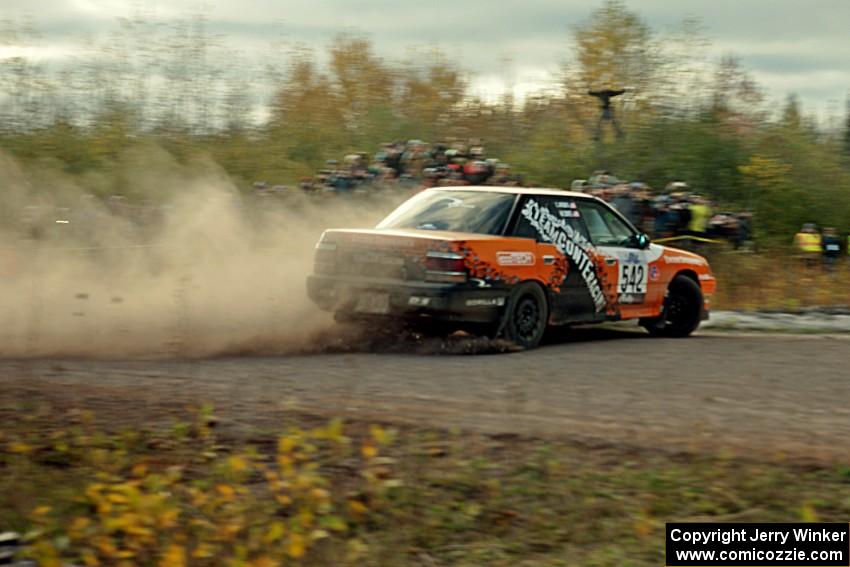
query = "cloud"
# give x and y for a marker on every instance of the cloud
(785, 43)
(35, 53)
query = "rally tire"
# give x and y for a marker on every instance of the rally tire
(682, 311)
(526, 316)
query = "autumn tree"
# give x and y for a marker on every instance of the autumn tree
(306, 121)
(431, 91)
(362, 86)
(615, 49)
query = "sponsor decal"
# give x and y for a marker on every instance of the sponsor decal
(684, 260)
(515, 258)
(570, 242)
(480, 283)
(481, 272)
(654, 273)
(454, 202)
(565, 204)
(486, 302)
(631, 298)
(706, 277)
(632, 269)
(633, 273)
(567, 209)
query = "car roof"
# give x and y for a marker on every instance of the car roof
(515, 190)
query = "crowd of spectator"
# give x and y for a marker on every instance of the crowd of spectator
(674, 213)
(407, 165)
(677, 212)
(815, 246)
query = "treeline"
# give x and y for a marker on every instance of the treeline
(181, 88)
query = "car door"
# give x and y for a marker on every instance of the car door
(556, 220)
(627, 267)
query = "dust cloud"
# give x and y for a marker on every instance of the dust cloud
(183, 266)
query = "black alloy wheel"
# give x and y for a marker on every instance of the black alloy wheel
(527, 315)
(682, 310)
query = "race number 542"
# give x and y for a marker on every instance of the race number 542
(632, 278)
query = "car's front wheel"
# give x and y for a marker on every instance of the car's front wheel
(527, 316)
(682, 311)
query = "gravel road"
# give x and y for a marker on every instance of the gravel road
(776, 396)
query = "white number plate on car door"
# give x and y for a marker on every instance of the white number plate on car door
(632, 277)
(371, 302)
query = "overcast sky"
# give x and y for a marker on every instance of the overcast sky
(799, 46)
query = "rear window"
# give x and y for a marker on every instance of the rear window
(478, 212)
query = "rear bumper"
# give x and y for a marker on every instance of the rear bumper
(407, 300)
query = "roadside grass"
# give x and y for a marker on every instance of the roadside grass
(357, 494)
(775, 281)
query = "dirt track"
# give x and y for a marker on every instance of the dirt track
(767, 396)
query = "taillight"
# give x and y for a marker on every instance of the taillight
(445, 267)
(324, 258)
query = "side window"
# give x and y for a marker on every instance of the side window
(604, 226)
(535, 210)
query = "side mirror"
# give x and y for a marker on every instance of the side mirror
(642, 241)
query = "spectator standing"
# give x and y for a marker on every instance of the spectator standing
(831, 247)
(665, 218)
(681, 211)
(415, 158)
(700, 215)
(744, 232)
(625, 204)
(502, 176)
(808, 244)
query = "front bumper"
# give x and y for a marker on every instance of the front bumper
(417, 300)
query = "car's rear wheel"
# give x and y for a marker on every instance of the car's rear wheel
(527, 316)
(682, 311)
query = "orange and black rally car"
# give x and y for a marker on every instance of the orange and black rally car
(509, 262)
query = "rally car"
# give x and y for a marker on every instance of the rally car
(509, 262)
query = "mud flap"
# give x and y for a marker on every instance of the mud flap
(503, 320)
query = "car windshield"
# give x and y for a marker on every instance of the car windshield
(479, 212)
